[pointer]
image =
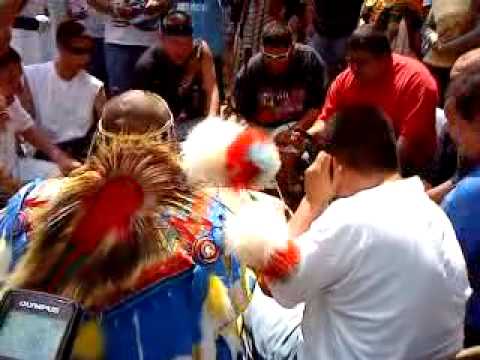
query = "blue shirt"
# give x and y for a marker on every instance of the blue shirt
(462, 206)
(207, 21)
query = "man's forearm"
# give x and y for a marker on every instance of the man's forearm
(40, 141)
(307, 121)
(303, 218)
(214, 102)
(466, 42)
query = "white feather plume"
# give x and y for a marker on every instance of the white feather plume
(204, 150)
(255, 231)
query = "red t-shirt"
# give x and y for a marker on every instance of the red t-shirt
(409, 96)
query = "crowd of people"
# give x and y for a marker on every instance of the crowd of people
(374, 108)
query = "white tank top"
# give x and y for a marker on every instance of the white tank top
(64, 109)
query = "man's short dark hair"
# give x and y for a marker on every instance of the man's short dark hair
(368, 39)
(464, 91)
(69, 30)
(10, 57)
(177, 23)
(363, 139)
(277, 34)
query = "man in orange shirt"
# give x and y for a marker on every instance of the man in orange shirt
(402, 87)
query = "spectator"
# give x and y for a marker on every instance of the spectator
(31, 34)
(16, 122)
(285, 83)
(95, 25)
(281, 89)
(125, 40)
(452, 29)
(208, 25)
(462, 204)
(64, 99)
(372, 287)
(181, 70)
(402, 20)
(330, 24)
(400, 86)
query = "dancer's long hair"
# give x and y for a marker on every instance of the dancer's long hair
(104, 223)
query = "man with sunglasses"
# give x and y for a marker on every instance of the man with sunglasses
(181, 70)
(61, 96)
(284, 83)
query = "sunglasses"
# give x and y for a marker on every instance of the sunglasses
(271, 56)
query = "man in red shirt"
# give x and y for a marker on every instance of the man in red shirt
(402, 87)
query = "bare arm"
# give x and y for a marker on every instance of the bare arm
(210, 86)
(39, 140)
(26, 98)
(99, 103)
(469, 40)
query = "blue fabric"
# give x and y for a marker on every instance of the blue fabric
(207, 20)
(120, 61)
(148, 325)
(462, 205)
(12, 223)
(162, 321)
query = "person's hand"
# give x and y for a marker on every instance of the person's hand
(154, 7)
(290, 137)
(67, 164)
(124, 11)
(321, 181)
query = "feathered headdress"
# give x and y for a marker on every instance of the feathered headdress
(225, 153)
(103, 224)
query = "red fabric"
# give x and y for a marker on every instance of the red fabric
(172, 266)
(241, 170)
(282, 263)
(110, 209)
(409, 98)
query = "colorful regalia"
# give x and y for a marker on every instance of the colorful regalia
(142, 246)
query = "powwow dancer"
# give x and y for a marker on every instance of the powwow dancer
(138, 240)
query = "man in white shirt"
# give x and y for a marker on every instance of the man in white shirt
(62, 97)
(125, 39)
(15, 122)
(379, 270)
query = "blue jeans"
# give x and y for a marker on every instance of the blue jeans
(271, 332)
(121, 60)
(97, 63)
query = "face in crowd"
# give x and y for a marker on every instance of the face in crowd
(178, 47)
(77, 53)
(366, 67)
(277, 59)
(177, 37)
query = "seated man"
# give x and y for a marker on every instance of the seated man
(379, 269)
(462, 203)
(284, 83)
(181, 70)
(15, 123)
(400, 86)
(281, 89)
(62, 97)
(141, 236)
